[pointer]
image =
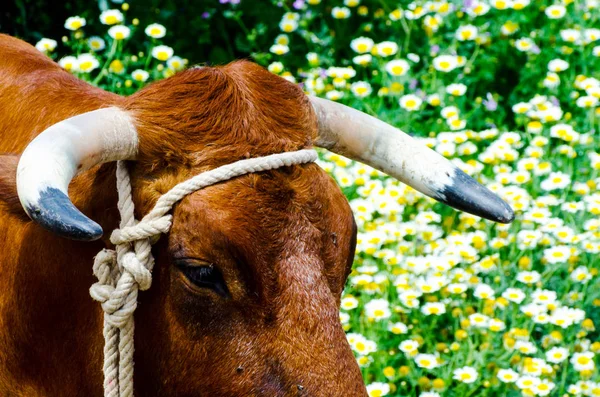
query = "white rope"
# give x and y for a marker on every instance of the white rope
(128, 268)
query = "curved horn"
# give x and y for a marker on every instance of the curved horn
(363, 138)
(55, 156)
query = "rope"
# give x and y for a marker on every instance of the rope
(124, 271)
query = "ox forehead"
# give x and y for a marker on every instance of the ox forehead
(247, 284)
(270, 233)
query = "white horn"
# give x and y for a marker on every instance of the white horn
(60, 152)
(364, 138)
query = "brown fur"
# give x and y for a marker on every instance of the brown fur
(283, 241)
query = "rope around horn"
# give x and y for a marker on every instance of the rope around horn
(127, 269)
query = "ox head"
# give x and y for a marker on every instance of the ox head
(248, 281)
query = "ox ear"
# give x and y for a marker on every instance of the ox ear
(9, 199)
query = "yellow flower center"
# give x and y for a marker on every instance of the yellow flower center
(583, 360)
(396, 14)
(116, 66)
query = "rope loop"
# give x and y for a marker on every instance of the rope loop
(143, 230)
(128, 268)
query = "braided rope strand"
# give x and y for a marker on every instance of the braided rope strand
(127, 269)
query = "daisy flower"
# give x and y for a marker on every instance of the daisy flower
(397, 67)
(111, 17)
(507, 376)
(140, 75)
(74, 23)
(362, 45)
(465, 374)
(119, 32)
(445, 63)
(410, 102)
(155, 30)
(46, 45)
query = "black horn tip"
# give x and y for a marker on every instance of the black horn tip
(55, 212)
(466, 194)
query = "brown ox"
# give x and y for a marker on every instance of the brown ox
(263, 319)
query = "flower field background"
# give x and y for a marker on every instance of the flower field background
(438, 302)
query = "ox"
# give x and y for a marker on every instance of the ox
(247, 284)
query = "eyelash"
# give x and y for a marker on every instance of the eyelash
(203, 275)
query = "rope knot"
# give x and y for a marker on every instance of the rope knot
(138, 270)
(116, 290)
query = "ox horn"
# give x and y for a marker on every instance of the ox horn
(55, 156)
(363, 138)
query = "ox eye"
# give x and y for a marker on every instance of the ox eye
(203, 275)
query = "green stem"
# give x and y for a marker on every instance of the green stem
(406, 42)
(103, 71)
(472, 59)
(563, 379)
(471, 392)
